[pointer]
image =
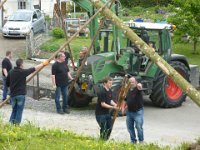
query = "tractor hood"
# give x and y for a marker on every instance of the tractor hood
(99, 66)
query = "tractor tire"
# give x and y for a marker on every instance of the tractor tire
(165, 92)
(78, 100)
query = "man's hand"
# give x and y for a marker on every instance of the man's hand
(45, 63)
(116, 108)
(54, 87)
(139, 86)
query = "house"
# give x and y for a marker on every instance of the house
(11, 6)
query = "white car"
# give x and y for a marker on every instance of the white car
(23, 22)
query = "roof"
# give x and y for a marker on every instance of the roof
(148, 25)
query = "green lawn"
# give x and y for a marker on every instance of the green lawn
(30, 137)
(186, 49)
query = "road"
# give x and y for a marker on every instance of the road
(163, 126)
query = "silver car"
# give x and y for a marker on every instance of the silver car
(23, 22)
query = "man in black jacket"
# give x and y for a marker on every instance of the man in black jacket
(135, 111)
(16, 80)
(6, 67)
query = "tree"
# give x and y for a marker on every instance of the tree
(187, 20)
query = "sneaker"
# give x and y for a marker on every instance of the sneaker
(60, 112)
(66, 111)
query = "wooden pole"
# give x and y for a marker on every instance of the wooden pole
(63, 27)
(2, 3)
(60, 49)
(161, 63)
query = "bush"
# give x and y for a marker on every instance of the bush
(58, 32)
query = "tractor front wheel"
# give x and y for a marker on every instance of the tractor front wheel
(78, 99)
(165, 92)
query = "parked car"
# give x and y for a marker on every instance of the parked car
(23, 22)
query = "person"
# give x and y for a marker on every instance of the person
(104, 104)
(16, 80)
(82, 55)
(6, 67)
(135, 111)
(60, 77)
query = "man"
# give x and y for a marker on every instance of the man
(6, 67)
(135, 111)
(16, 80)
(104, 104)
(82, 55)
(60, 77)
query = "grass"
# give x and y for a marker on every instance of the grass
(186, 49)
(54, 44)
(34, 138)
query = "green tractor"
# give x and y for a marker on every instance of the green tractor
(116, 56)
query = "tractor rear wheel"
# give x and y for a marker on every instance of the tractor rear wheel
(78, 100)
(165, 92)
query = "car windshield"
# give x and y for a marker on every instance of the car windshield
(21, 16)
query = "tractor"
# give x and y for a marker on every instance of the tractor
(116, 56)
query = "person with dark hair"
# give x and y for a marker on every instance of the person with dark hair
(60, 78)
(135, 111)
(6, 67)
(16, 80)
(104, 104)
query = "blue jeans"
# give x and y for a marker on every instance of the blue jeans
(17, 109)
(105, 123)
(135, 120)
(5, 88)
(64, 91)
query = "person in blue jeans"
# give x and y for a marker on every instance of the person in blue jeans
(6, 67)
(16, 80)
(135, 111)
(60, 78)
(104, 104)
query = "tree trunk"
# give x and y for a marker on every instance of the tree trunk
(195, 46)
(1, 4)
(162, 64)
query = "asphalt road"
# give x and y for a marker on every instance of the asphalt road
(163, 126)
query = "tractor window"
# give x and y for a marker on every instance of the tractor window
(151, 37)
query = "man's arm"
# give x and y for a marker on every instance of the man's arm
(5, 72)
(53, 81)
(103, 104)
(113, 103)
(8, 80)
(69, 75)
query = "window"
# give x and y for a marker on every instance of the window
(21, 4)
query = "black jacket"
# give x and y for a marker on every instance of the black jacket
(16, 80)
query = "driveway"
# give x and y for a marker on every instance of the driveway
(16, 45)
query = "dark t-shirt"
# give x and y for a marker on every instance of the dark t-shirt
(103, 96)
(16, 80)
(134, 100)
(60, 70)
(6, 64)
